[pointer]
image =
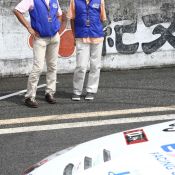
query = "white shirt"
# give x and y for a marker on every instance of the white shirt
(27, 5)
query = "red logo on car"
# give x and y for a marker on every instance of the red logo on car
(135, 136)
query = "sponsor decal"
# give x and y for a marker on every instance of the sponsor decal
(135, 136)
(169, 149)
(96, 6)
(163, 160)
(171, 128)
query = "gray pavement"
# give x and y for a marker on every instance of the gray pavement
(118, 90)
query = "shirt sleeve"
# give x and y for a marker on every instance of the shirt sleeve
(59, 10)
(71, 10)
(103, 11)
(24, 6)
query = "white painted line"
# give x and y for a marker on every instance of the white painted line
(20, 92)
(85, 115)
(86, 124)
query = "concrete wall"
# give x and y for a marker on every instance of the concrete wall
(139, 33)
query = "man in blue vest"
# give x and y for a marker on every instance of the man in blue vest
(86, 21)
(45, 17)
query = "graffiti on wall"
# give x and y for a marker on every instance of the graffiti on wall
(114, 35)
(114, 32)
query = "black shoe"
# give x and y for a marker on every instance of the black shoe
(76, 97)
(50, 98)
(31, 102)
(89, 96)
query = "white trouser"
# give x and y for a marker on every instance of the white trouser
(86, 52)
(44, 49)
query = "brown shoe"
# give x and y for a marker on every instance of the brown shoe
(50, 98)
(31, 102)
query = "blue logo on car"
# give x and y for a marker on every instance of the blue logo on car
(168, 148)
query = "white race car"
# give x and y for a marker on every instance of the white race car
(148, 150)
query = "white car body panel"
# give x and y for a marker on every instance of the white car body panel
(147, 150)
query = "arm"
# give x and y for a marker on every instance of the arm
(24, 22)
(71, 17)
(103, 12)
(59, 13)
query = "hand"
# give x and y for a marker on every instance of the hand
(33, 33)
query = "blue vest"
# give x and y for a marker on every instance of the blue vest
(88, 13)
(43, 19)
